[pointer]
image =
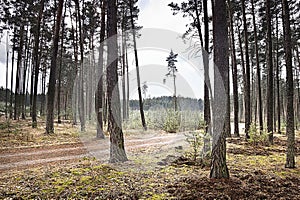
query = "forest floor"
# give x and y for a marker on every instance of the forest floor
(68, 164)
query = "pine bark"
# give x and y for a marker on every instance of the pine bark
(117, 149)
(220, 35)
(36, 66)
(234, 76)
(137, 68)
(258, 75)
(52, 78)
(99, 91)
(290, 131)
(270, 89)
(247, 74)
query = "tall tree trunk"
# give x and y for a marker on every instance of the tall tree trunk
(234, 75)
(99, 90)
(36, 65)
(52, 78)
(26, 59)
(206, 71)
(258, 89)
(243, 70)
(247, 74)
(290, 153)
(127, 84)
(60, 67)
(75, 49)
(18, 75)
(220, 32)
(278, 78)
(270, 73)
(117, 150)
(6, 79)
(137, 67)
(81, 79)
(12, 76)
(207, 87)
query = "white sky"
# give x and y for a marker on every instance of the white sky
(153, 14)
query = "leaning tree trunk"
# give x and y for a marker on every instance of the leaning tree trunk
(290, 153)
(137, 67)
(220, 32)
(117, 150)
(52, 78)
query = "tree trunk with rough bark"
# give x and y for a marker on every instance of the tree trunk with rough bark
(220, 35)
(52, 78)
(117, 149)
(290, 131)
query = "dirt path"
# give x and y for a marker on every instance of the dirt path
(24, 158)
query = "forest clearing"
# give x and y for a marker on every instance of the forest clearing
(145, 99)
(34, 165)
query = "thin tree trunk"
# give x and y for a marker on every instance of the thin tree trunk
(99, 90)
(6, 80)
(270, 73)
(207, 117)
(60, 67)
(19, 64)
(137, 68)
(12, 77)
(247, 74)
(36, 66)
(278, 77)
(52, 78)
(259, 96)
(81, 80)
(234, 76)
(243, 71)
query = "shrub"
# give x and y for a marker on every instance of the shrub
(172, 121)
(195, 141)
(257, 137)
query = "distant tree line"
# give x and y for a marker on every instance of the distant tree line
(167, 102)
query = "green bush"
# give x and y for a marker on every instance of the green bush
(172, 121)
(257, 137)
(195, 140)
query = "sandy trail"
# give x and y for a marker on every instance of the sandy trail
(25, 158)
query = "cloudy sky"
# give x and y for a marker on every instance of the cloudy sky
(153, 14)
